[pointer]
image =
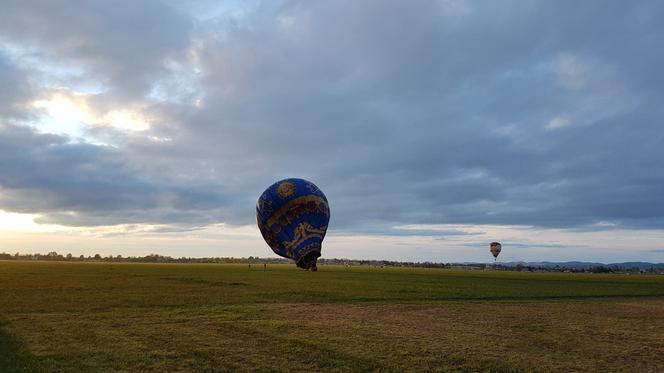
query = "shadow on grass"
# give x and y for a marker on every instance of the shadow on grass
(13, 355)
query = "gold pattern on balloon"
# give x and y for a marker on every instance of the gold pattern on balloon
(286, 189)
(292, 210)
(303, 232)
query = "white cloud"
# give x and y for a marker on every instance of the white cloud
(557, 123)
(11, 222)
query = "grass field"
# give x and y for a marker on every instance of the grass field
(103, 317)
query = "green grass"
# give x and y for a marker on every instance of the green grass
(103, 317)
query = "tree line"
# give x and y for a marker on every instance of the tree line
(156, 258)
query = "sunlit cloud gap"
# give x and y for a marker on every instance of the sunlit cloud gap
(70, 113)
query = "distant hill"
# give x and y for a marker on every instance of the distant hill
(587, 265)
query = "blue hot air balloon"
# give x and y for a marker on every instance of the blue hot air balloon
(292, 215)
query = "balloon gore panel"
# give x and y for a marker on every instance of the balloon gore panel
(293, 215)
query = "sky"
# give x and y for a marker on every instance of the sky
(434, 127)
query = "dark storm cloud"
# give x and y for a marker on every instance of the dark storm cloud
(538, 113)
(81, 184)
(122, 44)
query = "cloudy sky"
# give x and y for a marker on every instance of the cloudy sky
(433, 126)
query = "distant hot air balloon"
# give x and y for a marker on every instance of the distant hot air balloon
(495, 248)
(292, 215)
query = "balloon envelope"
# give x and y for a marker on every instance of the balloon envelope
(495, 248)
(292, 215)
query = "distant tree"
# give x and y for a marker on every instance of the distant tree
(600, 269)
(519, 267)
(69, 256)
(97, 257)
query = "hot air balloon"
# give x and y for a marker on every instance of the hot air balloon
(495, 248)
(292, 215)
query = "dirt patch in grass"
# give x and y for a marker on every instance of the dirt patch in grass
(601, 335)
(573, 336)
